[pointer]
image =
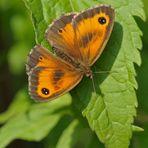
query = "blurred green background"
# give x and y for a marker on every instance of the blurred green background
(16, 40)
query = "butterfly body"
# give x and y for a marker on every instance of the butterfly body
(82, 68)
(78, 40)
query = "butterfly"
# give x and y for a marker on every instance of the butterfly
(78, 40)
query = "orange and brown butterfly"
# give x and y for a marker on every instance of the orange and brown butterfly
(78, 40)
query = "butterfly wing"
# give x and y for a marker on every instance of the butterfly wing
(60, 35)
(83, 36)
(49, 77)
(92, 30)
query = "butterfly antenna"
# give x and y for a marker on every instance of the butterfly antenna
(104, 72)
(94, 88)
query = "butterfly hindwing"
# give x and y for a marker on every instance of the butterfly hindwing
(49, 77)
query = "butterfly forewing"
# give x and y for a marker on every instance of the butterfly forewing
(82, 36)
(60, 35)
(92, 30)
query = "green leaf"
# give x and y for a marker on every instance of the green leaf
(137, 129)
(16, 106)
(77, 134)
(26, 129)
(109, 112)
(68, 135)
(34, 123)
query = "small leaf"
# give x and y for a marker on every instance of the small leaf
(137, 129)
(67, 138)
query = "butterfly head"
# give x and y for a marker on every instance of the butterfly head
(89, 73)
(86, 71)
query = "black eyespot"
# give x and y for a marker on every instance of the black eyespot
(45, 91)
(41, 58)
(102, 20)
(60, 30)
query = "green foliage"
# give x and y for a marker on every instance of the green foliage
(32, 121)
(109, 113)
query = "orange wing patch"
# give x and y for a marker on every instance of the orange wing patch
(49, 76)
(52, 82)
(92, 29)
(60, 35)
